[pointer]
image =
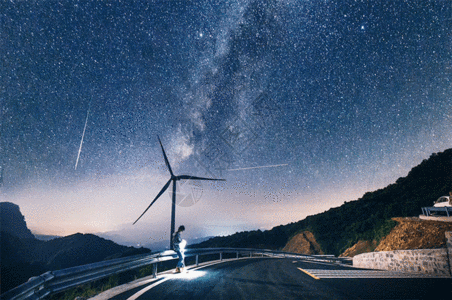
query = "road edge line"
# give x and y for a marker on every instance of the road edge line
(306, 272)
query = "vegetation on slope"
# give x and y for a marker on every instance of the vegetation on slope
(367, 219)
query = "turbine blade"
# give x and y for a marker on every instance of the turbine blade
(166, 158)
(165, 187)
(197, 178)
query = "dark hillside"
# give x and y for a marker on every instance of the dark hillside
(79, 249)
(15, 262)
(23, 256)
(368, 218)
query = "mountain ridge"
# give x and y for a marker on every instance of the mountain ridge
(368, 218)
(23, 256)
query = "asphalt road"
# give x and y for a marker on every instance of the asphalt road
(272, 278)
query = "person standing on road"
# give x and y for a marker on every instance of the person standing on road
(179, 246)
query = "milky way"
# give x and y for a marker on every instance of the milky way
(349, 94)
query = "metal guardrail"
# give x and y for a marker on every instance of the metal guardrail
(57, 281)
(431, 211)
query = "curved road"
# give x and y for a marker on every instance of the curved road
(275, 278)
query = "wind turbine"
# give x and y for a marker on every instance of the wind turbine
(173, 179)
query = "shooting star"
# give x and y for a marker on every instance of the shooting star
(258, 167)
(83, 136)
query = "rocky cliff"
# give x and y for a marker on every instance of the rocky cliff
(13, 222)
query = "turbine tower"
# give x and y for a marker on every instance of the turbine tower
(173, 179)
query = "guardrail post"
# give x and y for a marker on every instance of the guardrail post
(197, 260)
(221, 256)
(154, 270)
(237, 253)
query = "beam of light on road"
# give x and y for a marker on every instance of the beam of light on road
(192, 274)
(258, 167)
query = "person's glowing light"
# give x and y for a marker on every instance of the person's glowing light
(182, 245)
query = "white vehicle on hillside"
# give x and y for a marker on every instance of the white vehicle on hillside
(443, 201)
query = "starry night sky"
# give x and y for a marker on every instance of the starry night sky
(349, 94)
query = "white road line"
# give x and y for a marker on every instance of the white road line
(110, 293)
(141, 292)
(321, 273)
(307, 273)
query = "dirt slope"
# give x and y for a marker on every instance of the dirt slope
(303, 243)
(414, 233)
(410, 233)
(360, 247)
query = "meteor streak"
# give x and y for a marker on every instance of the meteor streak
(258, 167)
(81, 142)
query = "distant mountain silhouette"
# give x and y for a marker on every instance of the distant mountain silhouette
(45, 237)
(24, 256)
(79, 249)
(164, 245)
(366, 219)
